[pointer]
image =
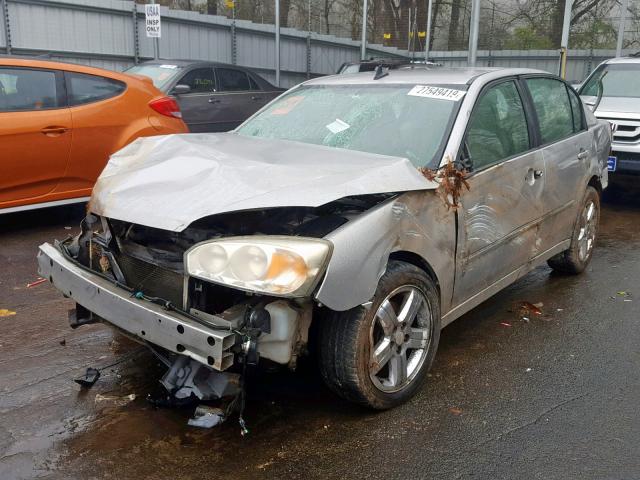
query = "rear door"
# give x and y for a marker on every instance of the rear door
(199, 107)
(567, 150)
(35, 136)
(499, 213)
(237, 98)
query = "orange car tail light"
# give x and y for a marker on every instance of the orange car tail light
(166, 106)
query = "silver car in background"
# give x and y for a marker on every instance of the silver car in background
(619, 105)
(360, 212)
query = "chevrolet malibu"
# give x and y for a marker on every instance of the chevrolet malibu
(358, 213)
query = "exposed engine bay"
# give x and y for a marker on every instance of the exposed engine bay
(148, 264)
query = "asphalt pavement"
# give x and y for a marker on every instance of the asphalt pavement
(554, 397)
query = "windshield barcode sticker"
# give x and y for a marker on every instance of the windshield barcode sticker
(436, 92)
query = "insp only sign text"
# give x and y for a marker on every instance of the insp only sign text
(152, 20)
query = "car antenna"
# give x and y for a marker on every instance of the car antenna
(380, 72)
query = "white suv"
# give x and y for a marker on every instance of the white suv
(620, 106)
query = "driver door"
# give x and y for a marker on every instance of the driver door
(36, 132)
(499, 214)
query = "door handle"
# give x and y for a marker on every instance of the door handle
(214, 100)
(254, 97)
(583, 154)
(53, 131)
(533, 175)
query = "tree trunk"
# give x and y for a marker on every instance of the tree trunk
(453, 25)
(212, 7)
(285, 5)
(327, 11)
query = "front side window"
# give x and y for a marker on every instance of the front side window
(498, 127)
(23, 89)
(382, 119)
(232, 80)
(83, 88)
(200, 80)
(551, 102)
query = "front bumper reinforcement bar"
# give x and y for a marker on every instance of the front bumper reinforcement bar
(143, 319)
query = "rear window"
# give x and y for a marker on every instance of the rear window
(231, 80)
(23, 89)
(82, 88)
(160, 75)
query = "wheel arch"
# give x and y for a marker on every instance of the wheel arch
(418, 261)
(595, 182)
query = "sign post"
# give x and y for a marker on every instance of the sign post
(153, 26)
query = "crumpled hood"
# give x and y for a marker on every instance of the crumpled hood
(170, 181)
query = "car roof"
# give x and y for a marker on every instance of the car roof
(189, 63)
(629, 59)
(422, 74)
(40, 62)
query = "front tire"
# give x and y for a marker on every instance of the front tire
(575, 259)
(379, 357)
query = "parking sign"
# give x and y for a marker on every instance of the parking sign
(152, 20)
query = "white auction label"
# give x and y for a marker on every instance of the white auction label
(436, 92)
(152, 20)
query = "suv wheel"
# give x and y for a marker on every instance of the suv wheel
(379, 357)
(576, 258)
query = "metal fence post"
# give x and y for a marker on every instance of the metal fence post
(7, 25)
(309, 42)
(136, 39)
(234, 44)
(427, 34)
(277, 43)
(623, 17)
(363, 42)
(564, 42)
(156, 42)
(473, 33)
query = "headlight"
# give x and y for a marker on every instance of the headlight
(275, 265)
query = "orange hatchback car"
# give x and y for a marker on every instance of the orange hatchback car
(60, 122)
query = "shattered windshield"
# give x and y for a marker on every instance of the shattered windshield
(620, 81)
(409, 121)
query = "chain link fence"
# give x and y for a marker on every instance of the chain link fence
(504, 24)
(317, 36)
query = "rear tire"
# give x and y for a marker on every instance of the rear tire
(576, 258)
(379, 357)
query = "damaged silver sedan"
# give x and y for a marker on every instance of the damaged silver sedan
(358, 213)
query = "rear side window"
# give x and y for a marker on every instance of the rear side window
(551, 101)
(232, 80)
(576, 111)
(201, 80)
(254, 85)
(23, 89)
(83, 88)
(498, 127)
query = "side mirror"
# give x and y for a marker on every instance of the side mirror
(180, 89)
